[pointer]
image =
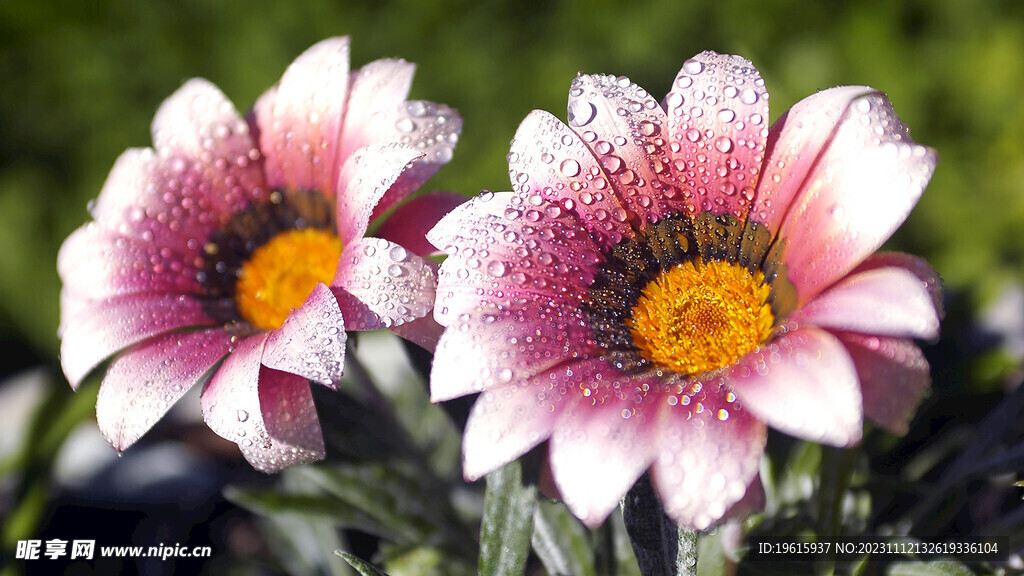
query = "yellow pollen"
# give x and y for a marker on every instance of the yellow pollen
(701, 316)
(279, 275)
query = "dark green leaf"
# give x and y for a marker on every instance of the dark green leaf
(560, 541)
(661, 547)
(318, 507)
(507, 522)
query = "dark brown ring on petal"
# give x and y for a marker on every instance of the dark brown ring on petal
(231, 245)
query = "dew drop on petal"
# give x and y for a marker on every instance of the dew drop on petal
(570, 168)
(693, 66)
(723, 144)
(581, 113)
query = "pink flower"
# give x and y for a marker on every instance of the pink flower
(237, 247)
(666, 280)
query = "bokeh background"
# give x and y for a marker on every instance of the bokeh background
(81, 81)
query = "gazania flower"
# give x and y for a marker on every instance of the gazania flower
(666, 280)
(237, 247)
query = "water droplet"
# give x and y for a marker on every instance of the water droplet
(726, 115)
(570, 168)
(496, 268)
(723, 144)
(242, 415)
(405, 125)
(748, 96)
(693, 66)
(581, 113)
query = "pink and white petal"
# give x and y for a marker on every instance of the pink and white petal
(519, 254)
(601, 445)
(300, 120)
(718, 124)
(145, 381)
(379, 284)
(424, 332)
(491, 347)
(507, 422)
(311, 342)
(409, 223)
(549, 164)
(805, 384)
(626, 130)
(887, 301)
(362, 182)
(198, 129)
(102, 327)
(796, 141)
(377, 89)
(430, 128)
(708, 453)
(95, 262)
(291, 422)
(230, 399)
(860, 190)
(894, 377)
(915, 265)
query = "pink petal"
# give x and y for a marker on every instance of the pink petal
(885, 301)
(548, 163)
(95, 263)
(199, 127)
(144, 382)
(100, 328)
(626, 130)
(311, 342)
(708, 453)
(915, 265)
(859, 191)
(377, 90)
(717, 120)
(363, 180)
(300, 120)
(424, 332)
(409, 223)
(517, 254)
(804, 384)
(269, 414)
(601, 445)
(381, 285)
(795, 143)
(894, 377)
(509, 420)
(495, 346)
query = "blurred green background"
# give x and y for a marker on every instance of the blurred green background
(81, 81)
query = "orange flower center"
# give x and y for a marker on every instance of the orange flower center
(701, 316)
(279, 275)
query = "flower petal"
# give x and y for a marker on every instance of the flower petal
(94, 263)
(102, 327)
(915, 265)
(199, 135)
(311, 342)
(377, 89)
(804, 384)
(795, 143)
(144, 382)
(300, 119)
(520, 254)
(409, 223)
(601, 445)
(381, 285)
(268, 413)
(717, 126)
(363, 180)
(708, 452)
(548, 163)
(494, 346)
(894, 377)
(859, 191)
(887, 301)
(625, 128)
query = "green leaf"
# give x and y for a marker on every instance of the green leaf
(936, 568)
(661, 547)
(507, 522)
(712, 556)
(560, 541)
(364, 568)
(310, 506)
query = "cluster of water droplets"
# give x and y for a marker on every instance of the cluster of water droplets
(392, 285)
(430, 128)
(718, 125)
